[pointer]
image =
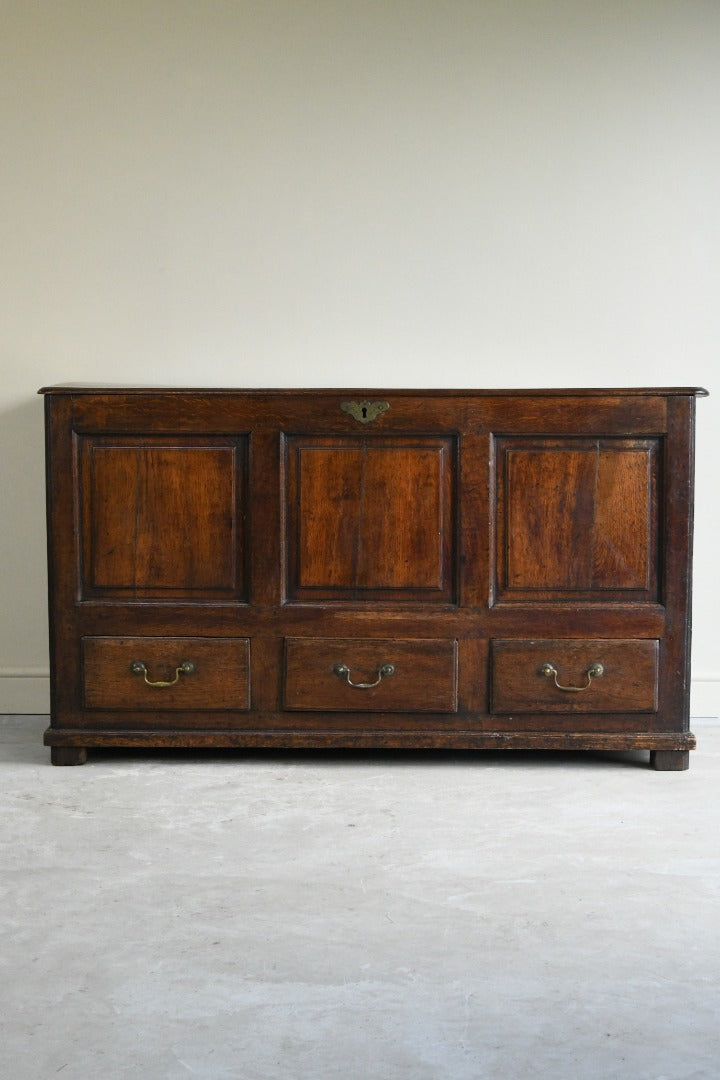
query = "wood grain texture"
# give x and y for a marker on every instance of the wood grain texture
(221, 679)
(577, 517)
(370, 519)
(628, 684)
(425, 678)
(163, 520)
(368, 738)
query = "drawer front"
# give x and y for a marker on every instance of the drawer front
(582, 676)
(371, 675)
(168, 673)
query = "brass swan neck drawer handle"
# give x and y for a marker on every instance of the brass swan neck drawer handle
(343, 672)
(139, 667)
(595, 671)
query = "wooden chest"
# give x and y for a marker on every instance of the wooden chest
(370, 568)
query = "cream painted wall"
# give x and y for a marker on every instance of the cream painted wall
(488, 193)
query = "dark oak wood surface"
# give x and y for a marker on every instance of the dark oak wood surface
(627, 682)
(370, 518)
(219, 678)
(423, 677)
(577, 516)
(459, 536)
(162, 518)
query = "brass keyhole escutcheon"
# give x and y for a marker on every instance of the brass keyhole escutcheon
(364, 411)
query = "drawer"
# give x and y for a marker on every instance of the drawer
(583, 676)
(146, 673)
(371, 674)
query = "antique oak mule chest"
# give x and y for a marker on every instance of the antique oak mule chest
(370, 568)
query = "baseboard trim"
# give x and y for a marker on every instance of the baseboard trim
(24, 690)
(705, 696)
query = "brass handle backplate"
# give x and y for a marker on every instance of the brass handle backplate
(139, 667)
(343, 672)
(595, 671)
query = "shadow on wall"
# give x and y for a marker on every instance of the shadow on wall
(23, 566)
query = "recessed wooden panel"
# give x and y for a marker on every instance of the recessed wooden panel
(628, 682)
(220, 679)
(370, 518)
(163, 520)
(424, 677)
(577, 517)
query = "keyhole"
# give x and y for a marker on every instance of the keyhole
(364, 412)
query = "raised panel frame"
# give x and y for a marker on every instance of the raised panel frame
(208, 563)
(602, 520)
(341, 546)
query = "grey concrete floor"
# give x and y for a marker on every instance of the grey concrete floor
(361, 916)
